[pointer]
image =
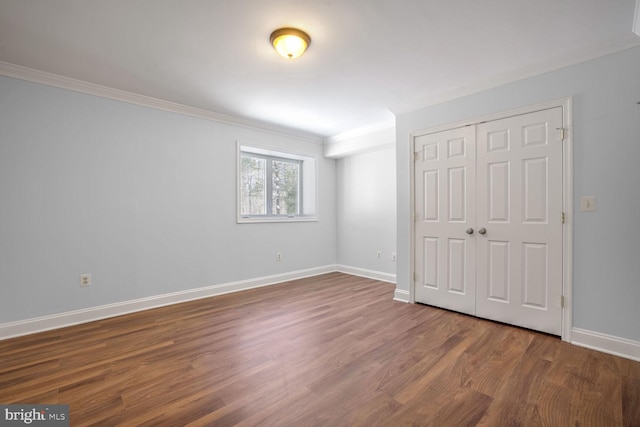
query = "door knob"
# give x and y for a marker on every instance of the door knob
(482, 231)
(469, 230)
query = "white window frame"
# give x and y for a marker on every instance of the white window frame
(307, 182)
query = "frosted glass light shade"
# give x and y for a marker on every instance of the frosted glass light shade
(290, 43)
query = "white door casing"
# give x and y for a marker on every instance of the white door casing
(507, 182)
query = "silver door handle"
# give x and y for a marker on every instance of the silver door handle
(469, 231)
(482, 231)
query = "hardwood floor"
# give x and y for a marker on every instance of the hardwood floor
(329, 350)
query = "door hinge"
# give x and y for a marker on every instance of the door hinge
(561, 135)
(415, 156)
(415, 276)
(563, 217)
(562, 301)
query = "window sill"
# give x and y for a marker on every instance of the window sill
(258, 219)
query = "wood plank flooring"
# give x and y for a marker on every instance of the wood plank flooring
(332, 350)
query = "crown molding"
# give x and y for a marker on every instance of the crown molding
(618, 44)
(62, 82)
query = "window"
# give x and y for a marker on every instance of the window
(275, 186)
(269, 185)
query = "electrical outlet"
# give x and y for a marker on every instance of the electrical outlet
(394, 257)
(85, 280)
(588, 204)
(379, 254)
(279, 256)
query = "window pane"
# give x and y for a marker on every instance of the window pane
(275, 186)
(285, 176)
(253, 200)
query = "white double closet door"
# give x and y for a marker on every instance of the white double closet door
(488, 229)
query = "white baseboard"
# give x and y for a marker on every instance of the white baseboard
(606, 343)
(369, 274)
(401, 295)
(594, 340)
(60, 320)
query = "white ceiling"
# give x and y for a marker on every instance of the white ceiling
(366, 56)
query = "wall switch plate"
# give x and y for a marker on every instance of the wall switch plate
(279, 256)
(379, 254)
(588, 204)
(394, 257)
(85, 280)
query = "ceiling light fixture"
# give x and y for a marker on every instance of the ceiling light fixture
(290, 42)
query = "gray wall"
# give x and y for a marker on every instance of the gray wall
(366, 201)
(606, 137)
(144, 200)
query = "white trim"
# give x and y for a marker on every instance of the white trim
(401, 295)
(339, 150)
(350, 144)
(606, 343)
(60, 320)
(54, 80)
(567, 229)
(309, 189)
(268, 219)
(369, 274)
(412, 220)
(636, 19)
(567, 194)
(618, 44)
(560, 102)
(362, 131)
